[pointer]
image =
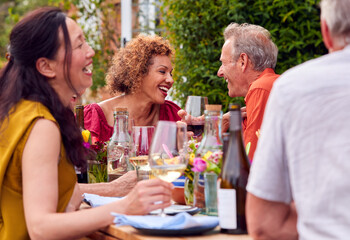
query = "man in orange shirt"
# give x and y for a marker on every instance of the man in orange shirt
(248, 59)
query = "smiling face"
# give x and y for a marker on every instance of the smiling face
(82, 53)
(158, 80)
(80, 70)
(231, 71)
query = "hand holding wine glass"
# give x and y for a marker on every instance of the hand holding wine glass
(195, 106)
(168, 155)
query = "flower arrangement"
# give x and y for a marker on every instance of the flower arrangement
(97, 165)
(192, 149)
(210, 162)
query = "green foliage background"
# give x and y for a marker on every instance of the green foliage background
(10, 13)
(195, 28)
(12, 10)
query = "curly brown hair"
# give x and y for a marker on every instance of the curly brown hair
(130, 65)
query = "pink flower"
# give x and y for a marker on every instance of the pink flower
(86, 144)
(216, 157)
(199, 165)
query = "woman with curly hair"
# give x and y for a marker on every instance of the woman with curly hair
(140, 76)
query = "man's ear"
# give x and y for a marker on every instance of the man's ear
(326, 35)
(45, 67)
(243, 61)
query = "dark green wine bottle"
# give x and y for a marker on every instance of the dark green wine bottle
(232, 191)
(79, 117)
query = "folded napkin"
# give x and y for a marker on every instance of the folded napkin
(179, 221)
(97, 200)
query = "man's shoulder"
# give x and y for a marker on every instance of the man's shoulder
(317, 67)
(323, 72)
(265, 80)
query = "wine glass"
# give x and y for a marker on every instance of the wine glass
(142, 137)
(195, 106)
(168, 155)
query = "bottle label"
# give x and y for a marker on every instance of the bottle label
(227, 208)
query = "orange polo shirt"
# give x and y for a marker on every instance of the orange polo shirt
(256, 100)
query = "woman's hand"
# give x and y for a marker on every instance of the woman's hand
(117, 188)
(124, 184)
(189, 120)
(184, 119)
(183, 115)
(146, 196)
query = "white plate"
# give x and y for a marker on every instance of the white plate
(174, 209)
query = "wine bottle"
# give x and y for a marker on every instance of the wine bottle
(232, 192)
(79, 117)
(225, 142)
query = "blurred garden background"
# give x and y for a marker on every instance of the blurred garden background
(195, 29)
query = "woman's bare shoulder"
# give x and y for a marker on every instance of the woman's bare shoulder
(108, 105)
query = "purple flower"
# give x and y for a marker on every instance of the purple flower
(199, 165)
(86, 144)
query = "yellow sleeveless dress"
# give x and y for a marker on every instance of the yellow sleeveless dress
(14, 133)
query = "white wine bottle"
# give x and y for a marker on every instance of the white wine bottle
(232, 191)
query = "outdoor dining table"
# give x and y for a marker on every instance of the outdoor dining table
(112, 232)
(129, 233)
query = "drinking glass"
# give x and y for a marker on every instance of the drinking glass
(142, 137)
(195, 106)
(168, 155)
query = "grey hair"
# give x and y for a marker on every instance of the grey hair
(336, 13)
(255, 41)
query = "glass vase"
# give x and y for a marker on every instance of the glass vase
(210, 192)
(188, 192)
(198, 191)
(97, 171)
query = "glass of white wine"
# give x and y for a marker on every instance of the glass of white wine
(142, 137)
(168, 155)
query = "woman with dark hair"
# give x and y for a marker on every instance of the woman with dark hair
(49, 62)
(140, 77)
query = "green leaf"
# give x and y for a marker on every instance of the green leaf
(247, 148)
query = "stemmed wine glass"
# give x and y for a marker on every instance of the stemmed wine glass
(195, 106)
(168, 155)
(142, 137)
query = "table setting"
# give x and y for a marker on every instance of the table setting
(178, 219)
(180, 224)
(192, 164)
